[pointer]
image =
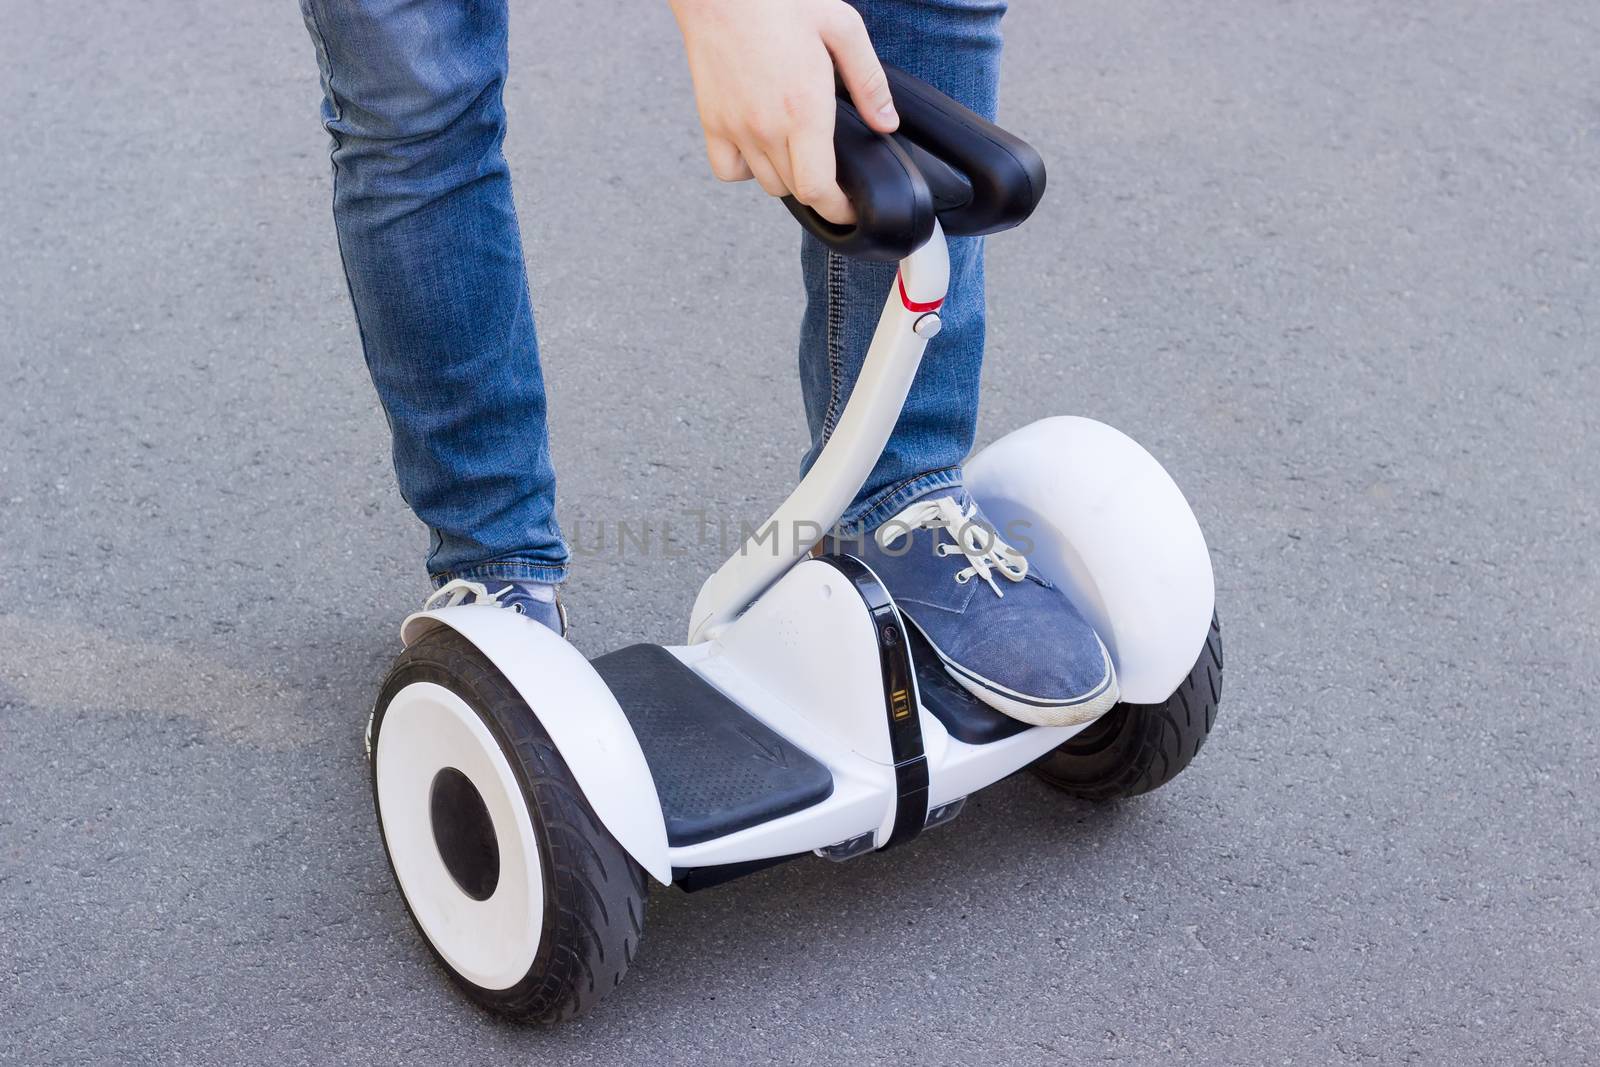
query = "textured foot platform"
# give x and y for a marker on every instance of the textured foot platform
(964, 715)
(717, 768)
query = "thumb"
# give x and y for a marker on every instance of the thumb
(846, 39)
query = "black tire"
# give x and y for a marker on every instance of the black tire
(594, 893)
(1135, 748)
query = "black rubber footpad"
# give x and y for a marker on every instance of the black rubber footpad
(717, 768)
(964, 715)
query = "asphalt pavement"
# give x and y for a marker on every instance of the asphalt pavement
(1334, 264)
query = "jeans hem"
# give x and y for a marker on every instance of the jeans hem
(507, 571)
(872, 512)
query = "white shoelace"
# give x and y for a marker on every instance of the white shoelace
(982, 547)
(456, 592)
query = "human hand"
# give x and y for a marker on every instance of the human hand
(763, 80)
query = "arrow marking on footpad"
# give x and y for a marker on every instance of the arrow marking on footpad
(774, 755)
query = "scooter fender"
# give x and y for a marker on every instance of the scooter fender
(580, 715)
(1109, 525)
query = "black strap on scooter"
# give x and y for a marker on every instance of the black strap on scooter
(900, 700)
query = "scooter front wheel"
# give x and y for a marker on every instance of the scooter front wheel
(517, 888)
(1134, 748)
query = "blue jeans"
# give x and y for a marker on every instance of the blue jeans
(431, 250)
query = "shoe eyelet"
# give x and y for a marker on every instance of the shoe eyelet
(518, 609)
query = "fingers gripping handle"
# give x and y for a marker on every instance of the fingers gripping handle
(894, 208)
(945, 162)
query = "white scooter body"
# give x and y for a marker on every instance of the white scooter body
(792, 642)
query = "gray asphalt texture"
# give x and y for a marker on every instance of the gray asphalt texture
(1334, 264)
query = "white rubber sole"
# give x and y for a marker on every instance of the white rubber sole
(1032, 710)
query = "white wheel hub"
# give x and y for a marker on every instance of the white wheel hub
(485, 919)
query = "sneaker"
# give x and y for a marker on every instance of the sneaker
(539, 601)
(1002, 630)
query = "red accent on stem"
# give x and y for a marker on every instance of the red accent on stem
(912, 305)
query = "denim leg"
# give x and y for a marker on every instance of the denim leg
(955, 46)
(428, 234)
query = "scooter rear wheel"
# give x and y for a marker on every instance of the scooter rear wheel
(518, 890)
(1134, 748)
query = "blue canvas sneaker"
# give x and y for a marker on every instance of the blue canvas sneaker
(1001, 629)
(539, 601)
